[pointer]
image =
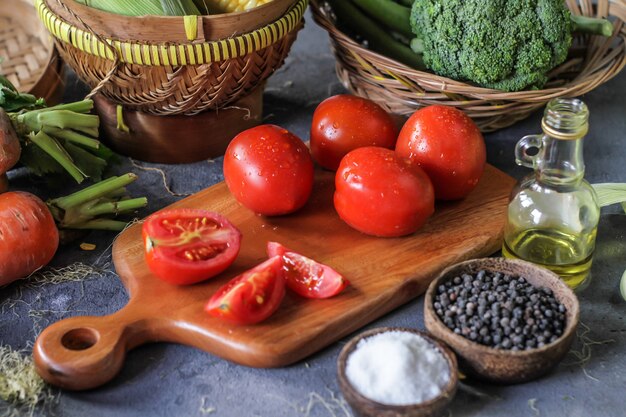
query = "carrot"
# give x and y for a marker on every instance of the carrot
(28, 236)
(10, 148)
(30, 229)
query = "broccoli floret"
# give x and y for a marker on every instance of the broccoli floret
(509, 45)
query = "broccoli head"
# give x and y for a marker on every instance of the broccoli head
(509, 45)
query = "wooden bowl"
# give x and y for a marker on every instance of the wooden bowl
(177, 139)
(363, 406)
(499, 365)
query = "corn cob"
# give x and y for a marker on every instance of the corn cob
(229, 6)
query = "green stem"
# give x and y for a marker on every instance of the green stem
(389, 13)
(84, 106)
(93, 192)
(116, 194)
(377, 37)
(73, 137)
(114, 207)
(592, 25)
(66, 119)
(56, 151)
(100, 224)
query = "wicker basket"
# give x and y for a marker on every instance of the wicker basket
(173, 65)
(401, 89)
(27, 54)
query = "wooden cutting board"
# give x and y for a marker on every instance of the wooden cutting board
(85, 352)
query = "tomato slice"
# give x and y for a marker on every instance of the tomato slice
(185, 246)
(251, 297)
(305, 276)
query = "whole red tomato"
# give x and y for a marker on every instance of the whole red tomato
(381, 194)
(185, 246)
(269, 170)
(447, 144)
(343, 123)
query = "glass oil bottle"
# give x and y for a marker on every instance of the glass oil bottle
(553, 213)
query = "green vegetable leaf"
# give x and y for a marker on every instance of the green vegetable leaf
(38, 161)
(622, 286)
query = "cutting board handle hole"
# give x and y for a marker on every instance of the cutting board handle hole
(80, 339)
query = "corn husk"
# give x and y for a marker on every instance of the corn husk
(611, 193)
(145, 7)
(172, 7)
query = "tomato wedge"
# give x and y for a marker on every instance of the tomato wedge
(185, 246)
(251, 297)
(305, 276)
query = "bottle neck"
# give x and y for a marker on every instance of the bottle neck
(561, 161)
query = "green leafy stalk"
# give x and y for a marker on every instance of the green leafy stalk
(389, 13)
(378, 37)
(96, 191)
(101, 224)
(62, 138)
(114, 207)
(72, 137)
(83, 106)
(93, 207)
(591, 25)
(56, 151)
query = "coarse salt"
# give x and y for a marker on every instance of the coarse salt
(397, 368)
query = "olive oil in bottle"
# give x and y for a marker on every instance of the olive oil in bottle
(553, 213)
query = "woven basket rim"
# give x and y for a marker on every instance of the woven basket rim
(447, 84)
(174, 53)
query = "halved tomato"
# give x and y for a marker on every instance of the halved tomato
(305, 276)
(252, 296)
(185, 246)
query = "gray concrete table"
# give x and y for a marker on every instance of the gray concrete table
(172, 380)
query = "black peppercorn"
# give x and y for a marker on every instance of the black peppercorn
(500, 310)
